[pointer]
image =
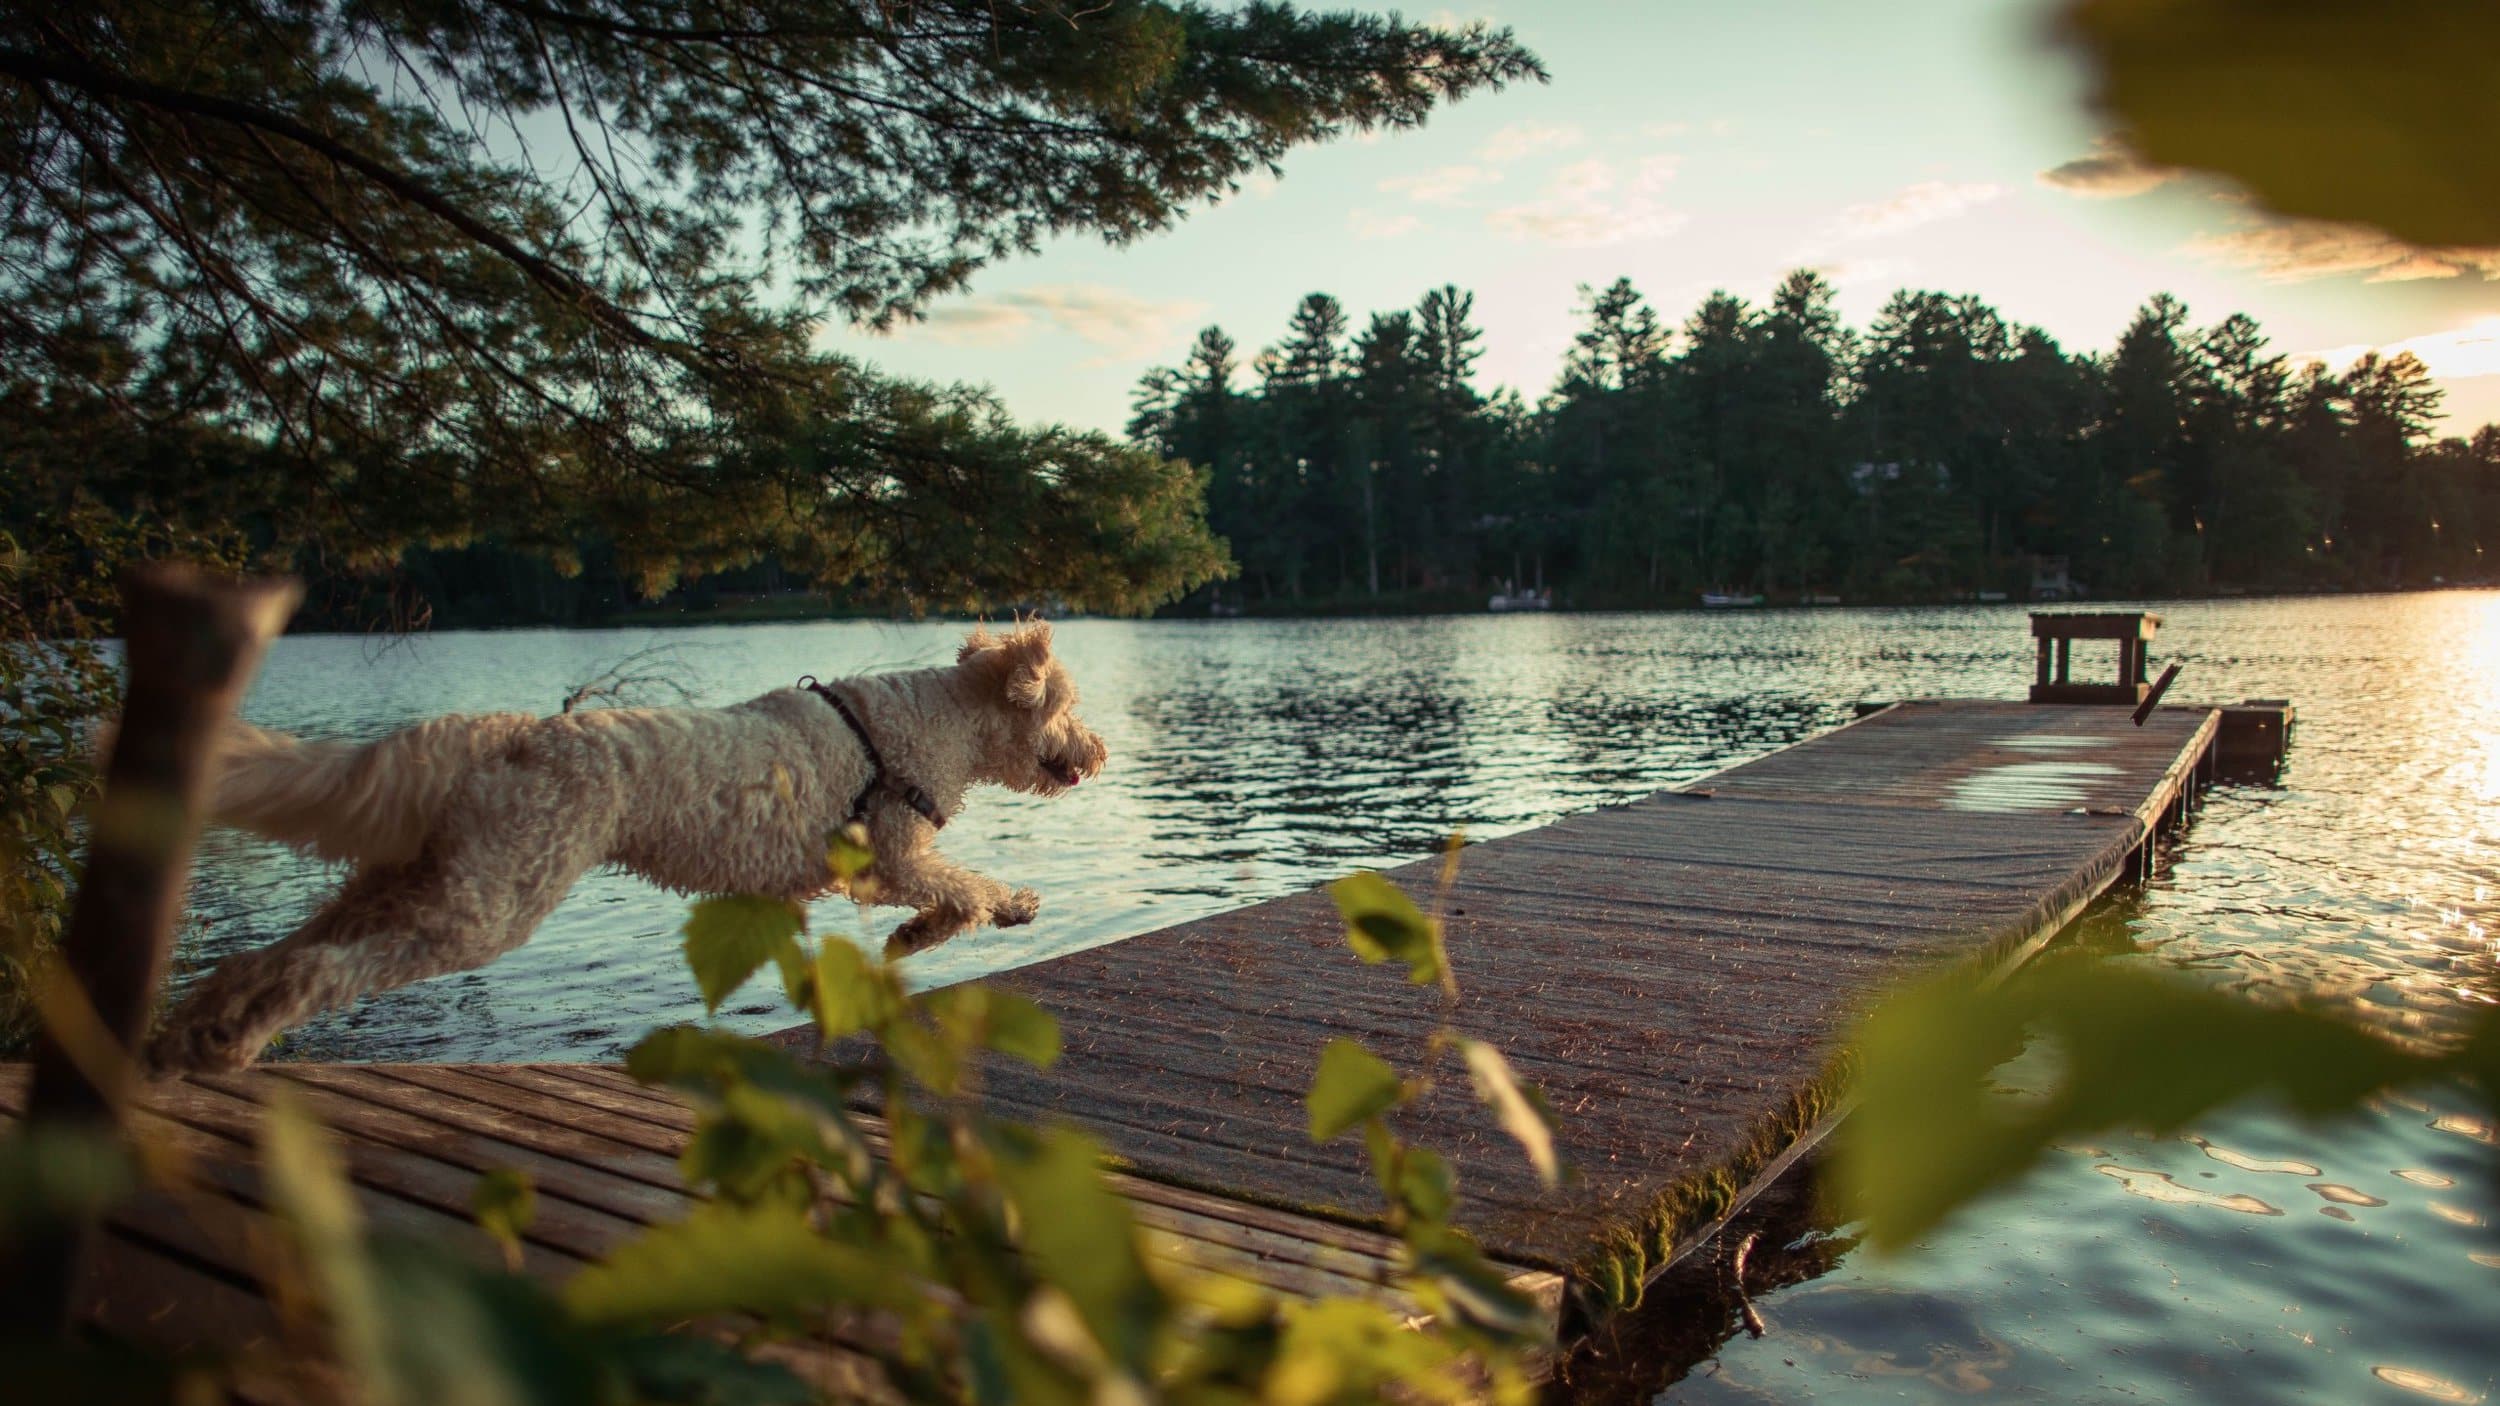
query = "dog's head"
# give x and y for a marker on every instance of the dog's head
(1043, 748)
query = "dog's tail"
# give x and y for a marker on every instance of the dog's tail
(371, 802)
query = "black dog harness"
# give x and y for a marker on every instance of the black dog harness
(879, 779)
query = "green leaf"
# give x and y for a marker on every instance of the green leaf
(848, 852)
(460, 1332)
(1080, 1235)
(713, 1063)
(797, 967)
(1450, 1276)
(925, 1055)
(1022, 1030)
(1349, 1349)
(1382, 924)
(683, 1368)
(728, 938)
(1353, 1085)
(922, 1150)
(2140, 1050)
(505, 1203)
(2377, 114)
(1426, 1186)
(750, 1147)
(854, 991)
(310, 1196)
(764, 1259)
(984, 1017)
(1522, 1111)
(1381, 1149)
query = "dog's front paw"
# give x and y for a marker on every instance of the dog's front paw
(200, 1048)
(1019, 909)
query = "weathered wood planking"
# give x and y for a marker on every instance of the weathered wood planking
(1672, 972)
(602, 1151)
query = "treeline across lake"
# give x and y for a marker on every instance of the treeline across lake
(1944, 450)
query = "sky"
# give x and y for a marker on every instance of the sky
(1932, 144)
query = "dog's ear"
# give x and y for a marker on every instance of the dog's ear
(1020, 662)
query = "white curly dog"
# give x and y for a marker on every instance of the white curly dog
(465, 831)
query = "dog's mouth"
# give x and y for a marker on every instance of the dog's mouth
(1061, 770)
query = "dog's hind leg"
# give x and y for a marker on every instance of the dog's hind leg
(478, 889)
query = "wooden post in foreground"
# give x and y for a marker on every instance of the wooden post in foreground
(192, 643)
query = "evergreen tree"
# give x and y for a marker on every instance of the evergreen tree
(1943, 454)
(1457, 441)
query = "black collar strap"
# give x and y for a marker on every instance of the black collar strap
(878, 777)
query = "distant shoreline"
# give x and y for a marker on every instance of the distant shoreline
(795, 610)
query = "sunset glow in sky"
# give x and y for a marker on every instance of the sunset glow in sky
(1935, 144)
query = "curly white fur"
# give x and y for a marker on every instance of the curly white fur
(466, 831)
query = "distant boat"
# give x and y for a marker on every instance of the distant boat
(1721, 600)
(1521, 600)
(1812, 599)
(1992, 596)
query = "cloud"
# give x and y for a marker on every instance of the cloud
(1120, 322)
(2471, 350)
(1445, 185)
(1530, 138)
(2290, 251)
(1594, 202)
(1367, 225)
(2110, 171)
(1912, 206)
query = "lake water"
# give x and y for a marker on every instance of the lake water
(2257, 1260)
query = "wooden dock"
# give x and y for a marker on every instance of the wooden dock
(1672, 972)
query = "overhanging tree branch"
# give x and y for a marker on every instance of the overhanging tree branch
(43, 71)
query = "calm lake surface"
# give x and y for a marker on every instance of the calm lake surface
(2257, 1260)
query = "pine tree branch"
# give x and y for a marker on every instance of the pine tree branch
(45, 71)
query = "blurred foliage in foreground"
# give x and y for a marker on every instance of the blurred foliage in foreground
(2386, 115)
(954, 1257)
(2133, 1050)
